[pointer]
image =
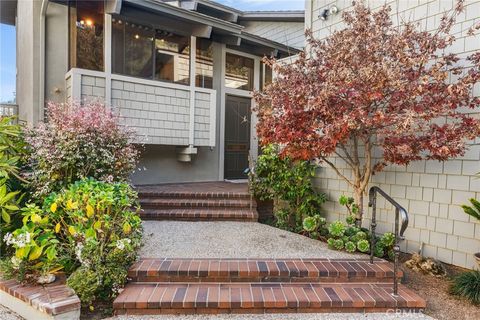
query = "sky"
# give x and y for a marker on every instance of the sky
(7, 39)
(7, 62)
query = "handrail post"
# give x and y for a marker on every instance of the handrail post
(396, 253)
(399, 230)
(373, 223)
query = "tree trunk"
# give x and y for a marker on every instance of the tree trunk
(358, 196)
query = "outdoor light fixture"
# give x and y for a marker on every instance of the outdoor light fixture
(328, 12)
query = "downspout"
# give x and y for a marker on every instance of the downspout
(43, 12)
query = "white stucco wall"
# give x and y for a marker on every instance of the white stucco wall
(431, 191)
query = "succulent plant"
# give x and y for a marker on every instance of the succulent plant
(310, 224)
(336, 228)
(350, 219)
(338, 244)
(363, 246)
(350, 247)
(331, 243)
(351, 231)
(388, 239)
(379, 250)
(361, 235)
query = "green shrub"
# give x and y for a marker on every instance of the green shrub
(467, 285)
(89, 230)
(12, 151)
(279, 178)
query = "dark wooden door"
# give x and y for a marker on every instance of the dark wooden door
(237, 137)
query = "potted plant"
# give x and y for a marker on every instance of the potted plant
(473, 211)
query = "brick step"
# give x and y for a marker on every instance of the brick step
(199, 214)
(261, 270)
(199, 298)
(195, 203)
(193, 195)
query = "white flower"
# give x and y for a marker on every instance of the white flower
(8, 238)
(121, 243)
(16, 262)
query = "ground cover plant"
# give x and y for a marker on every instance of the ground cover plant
(371, 95)
(346, 235)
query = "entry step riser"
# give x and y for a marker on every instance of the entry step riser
(249, 270)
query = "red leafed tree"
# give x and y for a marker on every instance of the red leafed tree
(373, 94)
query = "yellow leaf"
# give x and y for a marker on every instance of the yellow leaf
(35, 218)
(72, 230)
(71, 205)
(97, 225)
(53, 270)
(127, 228)
(90, 211)
(21, 252)
(53, 207)
(57, 227)
(35, 253)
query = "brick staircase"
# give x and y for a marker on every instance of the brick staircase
(206, 286)
(197, 202)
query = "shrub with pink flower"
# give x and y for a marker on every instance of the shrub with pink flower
(76, 142)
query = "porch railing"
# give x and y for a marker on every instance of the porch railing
(8, 109)
(400, 228)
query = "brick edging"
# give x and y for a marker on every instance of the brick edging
(53, 299)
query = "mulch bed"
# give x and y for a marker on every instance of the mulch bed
(440, 304)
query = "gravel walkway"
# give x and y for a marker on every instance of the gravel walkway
(7, 314)
(226, 239)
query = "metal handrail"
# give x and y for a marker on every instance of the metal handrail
(399, 210)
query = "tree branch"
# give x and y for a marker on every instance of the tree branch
(337, 171)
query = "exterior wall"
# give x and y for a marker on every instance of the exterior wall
(431, 191)
(158, 111)
(56, 51)
(288, 33)
(28, 61)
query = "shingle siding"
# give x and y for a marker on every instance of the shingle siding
(431, 191)
(288, 33)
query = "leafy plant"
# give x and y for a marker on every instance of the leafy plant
(467, 285)
(280, 178)
(89, 230)
(473, 210)
(11, 189)
(363, 246)
(350, 246)
(78, 142)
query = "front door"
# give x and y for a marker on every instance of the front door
(237, 137)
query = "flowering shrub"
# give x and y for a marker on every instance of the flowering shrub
(79, 142)
(89, 230)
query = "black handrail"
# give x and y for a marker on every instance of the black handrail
(399, 210)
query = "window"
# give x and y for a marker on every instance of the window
(239, 72)
(141, 51)
(86, 21)
(266, 75)
(204, 64)
(172, 57)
